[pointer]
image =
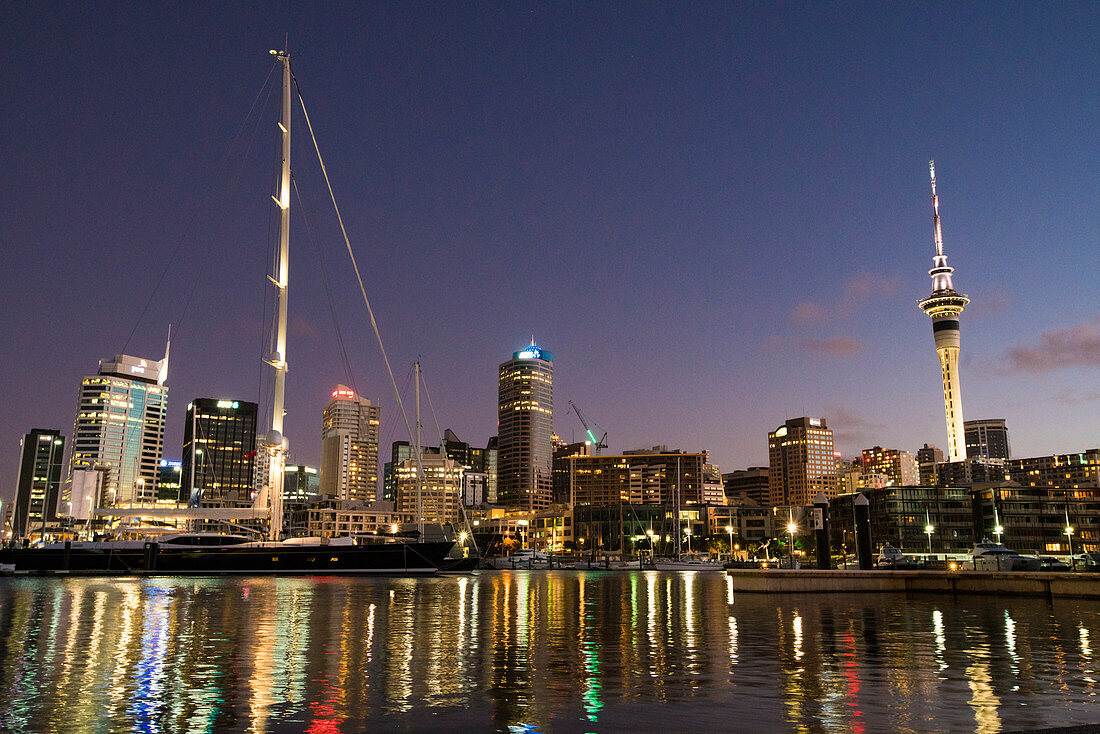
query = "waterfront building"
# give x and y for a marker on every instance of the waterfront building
(561, 464)
(119, 429)
(751, 524)
(626, 528)
(894, 465)
(802, 462)
(499, 530)
(653, 476)
(901, 515)
(349, 446)
(435, 498)
(849, 475)
(987, 439)
(525, 413)
(1034, 519)
(219, 453)
(333, 518)
(490, 463)
(38, 486)
(551, 530)
(1064, 471)
(170, 482)
(944, 306)
(746, 485)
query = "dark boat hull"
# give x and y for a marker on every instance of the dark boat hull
(389, 558)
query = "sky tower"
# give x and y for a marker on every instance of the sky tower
(944, 306)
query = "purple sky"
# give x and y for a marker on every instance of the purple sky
(716, 216)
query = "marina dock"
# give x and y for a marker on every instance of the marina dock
(1014, 583)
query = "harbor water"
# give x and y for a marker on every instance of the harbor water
(557, 651)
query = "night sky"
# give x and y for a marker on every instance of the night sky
(716, 216)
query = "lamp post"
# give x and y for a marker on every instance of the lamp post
(928, 530)
(791, 527)
(729, 529)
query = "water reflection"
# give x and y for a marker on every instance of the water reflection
(529, 651)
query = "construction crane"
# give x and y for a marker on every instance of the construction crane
(598, 443)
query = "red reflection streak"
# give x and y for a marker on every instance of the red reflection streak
(325, 718)
(853, 682)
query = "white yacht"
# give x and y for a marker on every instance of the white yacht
(990, 556)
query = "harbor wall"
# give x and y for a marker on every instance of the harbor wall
(1015, 583)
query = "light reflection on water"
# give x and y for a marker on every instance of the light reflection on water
(531, 651)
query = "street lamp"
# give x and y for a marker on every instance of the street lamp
(791, 527)
(729, 529)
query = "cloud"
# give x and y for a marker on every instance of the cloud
(864, 286)
(841, 346)
(858, 289)
(809, 312)
(852, 429)
(1077, 346)
(993, 302)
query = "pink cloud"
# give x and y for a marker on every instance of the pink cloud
(1077, 346)
(839, 347)
(809, 312)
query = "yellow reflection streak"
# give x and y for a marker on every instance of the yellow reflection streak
(983, 700)
(941, 639)
(733, 640)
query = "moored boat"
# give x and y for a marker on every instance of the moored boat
(212, 553)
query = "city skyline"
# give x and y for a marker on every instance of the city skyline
(702, 267)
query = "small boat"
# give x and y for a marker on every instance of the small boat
(683, 563)
(891, 557)
(990, 556)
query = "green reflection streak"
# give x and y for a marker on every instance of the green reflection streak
(590, 652)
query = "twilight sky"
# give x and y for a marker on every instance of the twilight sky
(715, 215)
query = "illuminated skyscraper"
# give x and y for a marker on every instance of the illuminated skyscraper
(944, 306)
(39, 483)
(525, 415)
(349, 447)
(119, 428)
(219, 453)
(801, 462)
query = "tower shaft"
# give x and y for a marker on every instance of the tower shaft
(943, 306)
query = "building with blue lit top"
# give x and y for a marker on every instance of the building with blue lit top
(525, 416)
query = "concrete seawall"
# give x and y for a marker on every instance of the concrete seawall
(1018, 583)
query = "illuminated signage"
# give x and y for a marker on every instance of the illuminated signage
(343, 394)
(781, 431)
(815, 421)
(134, 369)
(531, 352)
(228, 404)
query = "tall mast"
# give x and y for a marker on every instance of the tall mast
(276, 442)
(419, 462)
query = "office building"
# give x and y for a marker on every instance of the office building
(349, 447)
(895, 466)
(525, 413)
(987, 439)
(944, 306)
(653, 476)
(219, 453)
(802, 462)
(560, 468)
(38, 487)
(170, 481)
(746, 486)
(436, 497)
(1061, 471)
(119, 429)
(301, 484)
(927, 458)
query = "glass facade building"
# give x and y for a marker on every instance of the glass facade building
(802, 462)
(219, 453)
(119, 428)
(525, 416)
(39, 485)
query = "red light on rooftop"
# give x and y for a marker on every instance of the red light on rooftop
(345, 394)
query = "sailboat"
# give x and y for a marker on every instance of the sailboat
(212, 553)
